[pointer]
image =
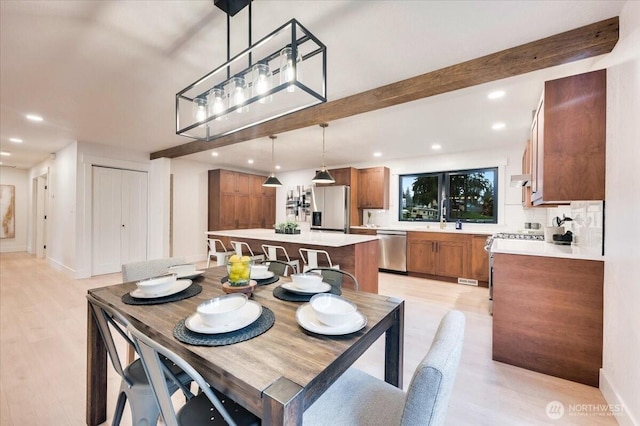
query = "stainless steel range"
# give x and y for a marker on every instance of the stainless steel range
(505, 236)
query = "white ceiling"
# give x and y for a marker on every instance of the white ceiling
(107, 72)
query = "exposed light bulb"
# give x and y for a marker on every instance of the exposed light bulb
(288, 72)
(200, 107)
(261, 83)
(216, 101)
(237, 97)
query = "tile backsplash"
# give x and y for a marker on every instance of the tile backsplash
(587, 225)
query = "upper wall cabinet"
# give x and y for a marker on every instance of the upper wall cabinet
(373, 188)
(568, 141)
(239, 201)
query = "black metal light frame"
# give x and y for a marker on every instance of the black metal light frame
(297, 37)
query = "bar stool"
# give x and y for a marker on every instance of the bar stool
(311, 260)
(272, 254)
(218, 251)
(239, 246)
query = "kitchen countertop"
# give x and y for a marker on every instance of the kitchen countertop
(541, 248)
(433, 228)
(328, 239)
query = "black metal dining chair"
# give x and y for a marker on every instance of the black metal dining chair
(209, 407)
(335, 277)
(134, 385)
(280, 268)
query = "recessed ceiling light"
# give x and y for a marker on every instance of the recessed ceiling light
(5, 153)
(277, 167)
(436, 146)
(214, 154)
(250, 161)
(377, 154)
(15, 140)
(34, 117)
(498, 126)
(496, 95)
(0, 163)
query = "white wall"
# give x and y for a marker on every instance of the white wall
(620, 374)
(61, 244)
(20, 179)
(190, 207)
(159, 195)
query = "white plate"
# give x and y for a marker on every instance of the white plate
(264, 276)
(193, 274)
(307, 319)
(321, 288)
(178, 286)
(250, 312)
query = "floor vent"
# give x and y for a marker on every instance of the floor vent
(467, 281)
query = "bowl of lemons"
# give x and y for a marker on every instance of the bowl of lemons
(239, 270)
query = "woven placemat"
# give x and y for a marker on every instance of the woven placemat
(188, 292)
(266, 281)
(264, 322)
(282, 294)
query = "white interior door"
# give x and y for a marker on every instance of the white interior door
(106, 220)
(119, 219)
(41, 185)
(134, 217)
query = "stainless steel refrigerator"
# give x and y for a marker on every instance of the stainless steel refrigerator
(330, 206)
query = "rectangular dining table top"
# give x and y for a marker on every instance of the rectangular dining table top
(286, 353)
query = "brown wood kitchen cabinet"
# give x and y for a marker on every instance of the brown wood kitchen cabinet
(548, 315)
(373, 188)
(440, 254)
(238, 201)
(479, 259)
(568, 139)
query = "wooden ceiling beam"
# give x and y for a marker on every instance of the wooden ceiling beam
(581, 43)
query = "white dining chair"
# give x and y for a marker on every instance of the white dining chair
(310, 259)
(358, 399)
(242, 249)
(137, 271)
(218, 251)
(271, 252)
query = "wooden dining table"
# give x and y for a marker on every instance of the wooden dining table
(276, 375)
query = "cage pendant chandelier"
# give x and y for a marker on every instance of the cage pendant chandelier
(323, 176)
(272, 181)
(284, 72)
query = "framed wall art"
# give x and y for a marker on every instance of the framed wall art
(7, 211)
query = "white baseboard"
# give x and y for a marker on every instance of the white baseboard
(61, 267)
(12, 247)
(625, 418)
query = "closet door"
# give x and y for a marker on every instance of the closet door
(119, 219)
(134, 217)
(107, 220)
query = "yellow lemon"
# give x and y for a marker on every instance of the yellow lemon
(245, 274)
(234, 258)
(245, 259)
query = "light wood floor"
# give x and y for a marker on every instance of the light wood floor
(43, 350)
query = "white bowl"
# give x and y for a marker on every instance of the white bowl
(331, 309)
(157, 285)
(306, 281)
(183, 269)
(258, 271)
(222, 310)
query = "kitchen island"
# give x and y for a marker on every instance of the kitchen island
(357, 254)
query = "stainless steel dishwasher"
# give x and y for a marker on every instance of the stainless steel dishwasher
(392, 248)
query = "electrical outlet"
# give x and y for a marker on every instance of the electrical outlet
(467, 281)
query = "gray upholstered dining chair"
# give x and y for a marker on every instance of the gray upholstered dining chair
(357, 398)
(335, 277)
(209, 407)
(134, 385)
(136, 271)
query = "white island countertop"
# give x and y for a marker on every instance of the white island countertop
(327, 239)
(541, 248)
